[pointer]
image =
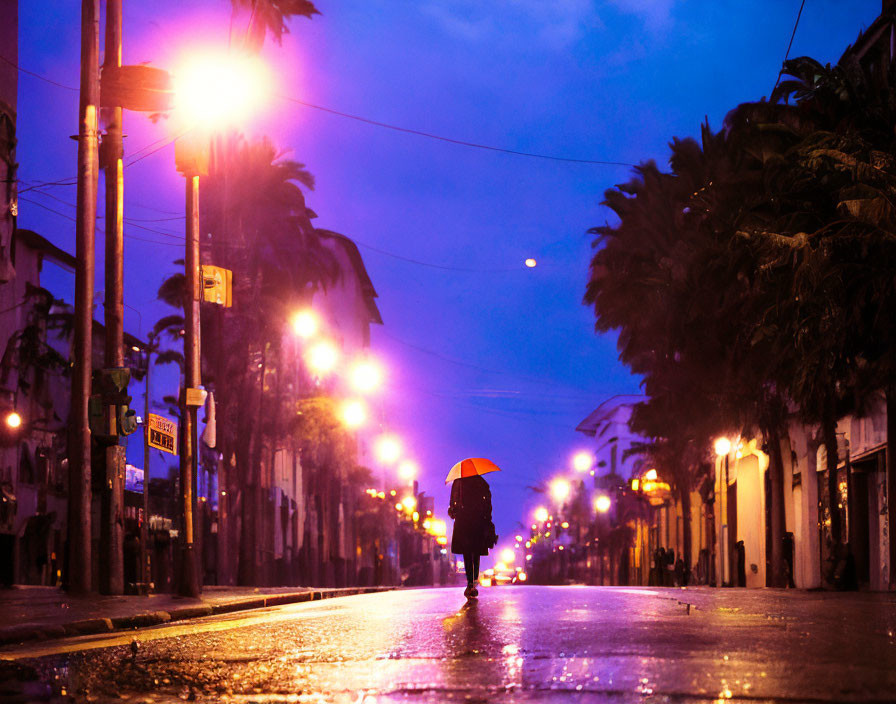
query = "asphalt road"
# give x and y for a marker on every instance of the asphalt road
(517, 644)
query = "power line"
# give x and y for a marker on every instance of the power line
(450, 140)
(37, 75)
(789, 44)
(397, 128)
(434, 266)
(126, 234)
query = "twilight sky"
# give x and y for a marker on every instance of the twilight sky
(486, 357)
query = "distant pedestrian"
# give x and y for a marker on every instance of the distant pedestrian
(474, 532)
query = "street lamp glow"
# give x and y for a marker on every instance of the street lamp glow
(602, 504)
(530, 262)
(409, 503)
(582, 461)
(323, 357)
(541, 514)
(408, 470)
(651, 475)
(305, 324)
(508, 555)
(354, 414)
(387, 449)
(722, 446)
(560, 490)
(366, 376)
(219, 88)
(13, 420)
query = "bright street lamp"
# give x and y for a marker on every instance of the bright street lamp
(541, 514)
(531, 263)
(366, 376)
(13, 420)
(582, 461)
(722, 446)
(219, 88)
(560, 490)
(387, 449)
(508, 555)
(651, 475)
(354, 413)
(602, 504)
(323, 357)
(305, 324)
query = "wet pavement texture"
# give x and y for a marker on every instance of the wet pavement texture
(516, 644)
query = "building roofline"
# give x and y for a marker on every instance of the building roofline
(41, 244)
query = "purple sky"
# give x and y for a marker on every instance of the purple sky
(501, 361)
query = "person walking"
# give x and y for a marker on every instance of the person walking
(474, 532)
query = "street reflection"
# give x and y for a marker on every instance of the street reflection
(479, 645)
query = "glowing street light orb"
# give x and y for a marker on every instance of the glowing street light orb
(560, 490)
(408, 470)
(216, 89)
(13, 420)
(582, 461)
(323, 357)
(500, 567)
(387, 449)
(602, 504)
(508, 555)
(531, 263)
(366, 376)
(722, 446)
(651, 475)
(305, 324)
(409, 503)
(354, 414)
(541, 514)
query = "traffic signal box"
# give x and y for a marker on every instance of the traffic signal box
(109, 409)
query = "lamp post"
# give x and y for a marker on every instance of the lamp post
(723, 449)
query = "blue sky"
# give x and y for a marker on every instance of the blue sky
(500, 361)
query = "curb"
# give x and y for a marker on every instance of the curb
(21, 634)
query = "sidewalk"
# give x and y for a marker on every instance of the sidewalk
(38, 613)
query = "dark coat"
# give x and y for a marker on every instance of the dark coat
(471, 509)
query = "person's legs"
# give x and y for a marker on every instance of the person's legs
(471, 567)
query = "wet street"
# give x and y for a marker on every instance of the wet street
(517, 644)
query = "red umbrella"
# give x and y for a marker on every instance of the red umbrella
(470, 467)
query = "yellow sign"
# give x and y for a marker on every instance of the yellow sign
(217, 285)
(162, 433)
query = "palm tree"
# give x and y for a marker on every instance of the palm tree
(271, 17)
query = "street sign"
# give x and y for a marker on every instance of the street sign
(162, 433)
(217, 285)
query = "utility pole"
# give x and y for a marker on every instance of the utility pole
(112, 528)
(189, 583)
(145, 564)
(79, 547)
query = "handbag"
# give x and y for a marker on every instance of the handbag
(491, 535)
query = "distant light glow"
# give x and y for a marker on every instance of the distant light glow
(651, 475)
(602, 504)
(582, 461)
(354, 414)
(408, 470)
(13, 420)
(366, 376)
(323, 357)
(508, 555)
(560, 489)
(387, 449)
(305, 324)
(409, 503)
(541, 514)
(530, 262)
